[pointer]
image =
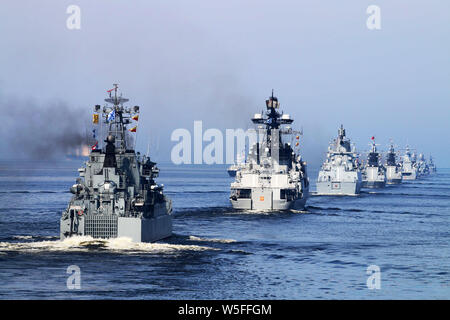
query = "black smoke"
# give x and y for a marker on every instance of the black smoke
(42, 131)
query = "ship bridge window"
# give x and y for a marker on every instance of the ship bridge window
(242, 193)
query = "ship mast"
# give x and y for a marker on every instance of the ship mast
(117, 117)
(273, 118)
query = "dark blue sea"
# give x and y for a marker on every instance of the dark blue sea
(218, 253)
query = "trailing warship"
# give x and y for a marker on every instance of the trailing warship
(431, 165)
(116, 194)
(374, 175)
(273, 176)
(393, 169)
(422, 166)
(340, 174)
(235, 166)
(409, 168)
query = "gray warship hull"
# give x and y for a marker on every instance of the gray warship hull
(393, 172)
(262, 199)
(108, 226)
(373, 184)
(409, 175)
(338, 188)
(394, 181)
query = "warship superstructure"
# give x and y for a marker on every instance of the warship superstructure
(273, 176)
(393, 169)
(409, 168)
(116, 194)
(374, 175)
(340, 174)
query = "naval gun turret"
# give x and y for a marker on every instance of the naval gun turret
(116, 194)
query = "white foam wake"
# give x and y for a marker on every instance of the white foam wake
(87, 243)
(194, 238)
(22, 237)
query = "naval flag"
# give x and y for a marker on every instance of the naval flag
(112, 115)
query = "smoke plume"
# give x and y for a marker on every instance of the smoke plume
(38, 131)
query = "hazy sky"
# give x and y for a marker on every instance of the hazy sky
(217, 61)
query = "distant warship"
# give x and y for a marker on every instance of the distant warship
(235, 166)
(340, 174)
(374, 175)
(422, 166)
(393, 169)
(273, 176)
(431, 165)
(409, 168)
(116, 194)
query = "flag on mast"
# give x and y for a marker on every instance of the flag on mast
(136, 117)
(112, 115)
(133, 129)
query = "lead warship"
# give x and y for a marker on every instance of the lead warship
(374, 175)
(340, 174)
(116, 194)
(409, 168)
(273, 176)
(393, 169)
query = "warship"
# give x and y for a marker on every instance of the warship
(422, 166)
(393, 169)
(235, 166)
(116, 194)
(374, 175)
(409, 168)
(274, 176)
(431, 165)
(340, 174)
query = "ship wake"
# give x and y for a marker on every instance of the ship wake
(88, 244)
(194, 238)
